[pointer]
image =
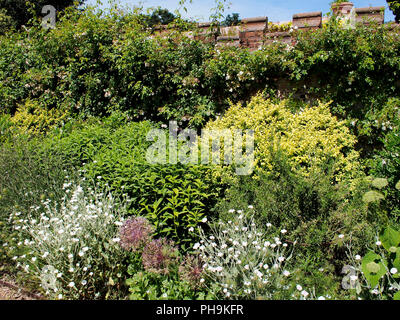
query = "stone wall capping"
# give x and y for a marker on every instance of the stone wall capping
(307, 15)
(204, 24)
(307, 20)
(370, 9)
(256, 19)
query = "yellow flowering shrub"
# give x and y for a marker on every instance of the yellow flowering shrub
(33, 118)
(309, 138)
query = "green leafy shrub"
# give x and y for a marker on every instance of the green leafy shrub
(310, 136)
(94, 64)
(320, 214)
(5, 128)
(6, 22)
(26, 178)
(174, 198)
(386, 164)
(377, 273)
(34, 119)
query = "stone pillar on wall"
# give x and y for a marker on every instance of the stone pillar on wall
(370, 14)
(252, 34)
(307, 20)
(342, 9)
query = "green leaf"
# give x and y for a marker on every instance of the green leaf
(373, 196)
(389, 238)
(379, 183)
(398, 185)
(396, 296)
(373, 267)
(396, 261)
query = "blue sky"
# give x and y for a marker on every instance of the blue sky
(281, 10)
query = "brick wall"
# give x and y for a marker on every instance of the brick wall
(252, 33)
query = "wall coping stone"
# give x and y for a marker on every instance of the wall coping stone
(307, 15)
(255, 19)
(369, 9)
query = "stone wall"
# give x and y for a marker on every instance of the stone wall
(252, 33)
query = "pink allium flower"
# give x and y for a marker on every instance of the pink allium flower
(191, 270)
(159, 256)
(135, 233)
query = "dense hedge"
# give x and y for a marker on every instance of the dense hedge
(95, 63)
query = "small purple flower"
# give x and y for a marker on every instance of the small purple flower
(159, 256)
(135, 233)
(191, 270)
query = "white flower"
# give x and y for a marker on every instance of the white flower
(247, 267)
(393, 271)
(81, 253)
(196, 246)
(84, 282)
(70, 256)
(304, 293)
(231, 211)
(202, 280)
(116, 239)
(321, 298)
(286, 273)
(33, 259)
(60, 296)
(375, 291)
(204, 220)
(269, 225)
(45, 254)
(299, 287)
(71, 284)
(281, 259)
(358, 257)
(283, 231)
(378, 243)
(265, 266)
(247, 283)
(191, 229)
(341, 236)
(250, 207)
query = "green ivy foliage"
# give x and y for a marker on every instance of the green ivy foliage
(94, 63)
